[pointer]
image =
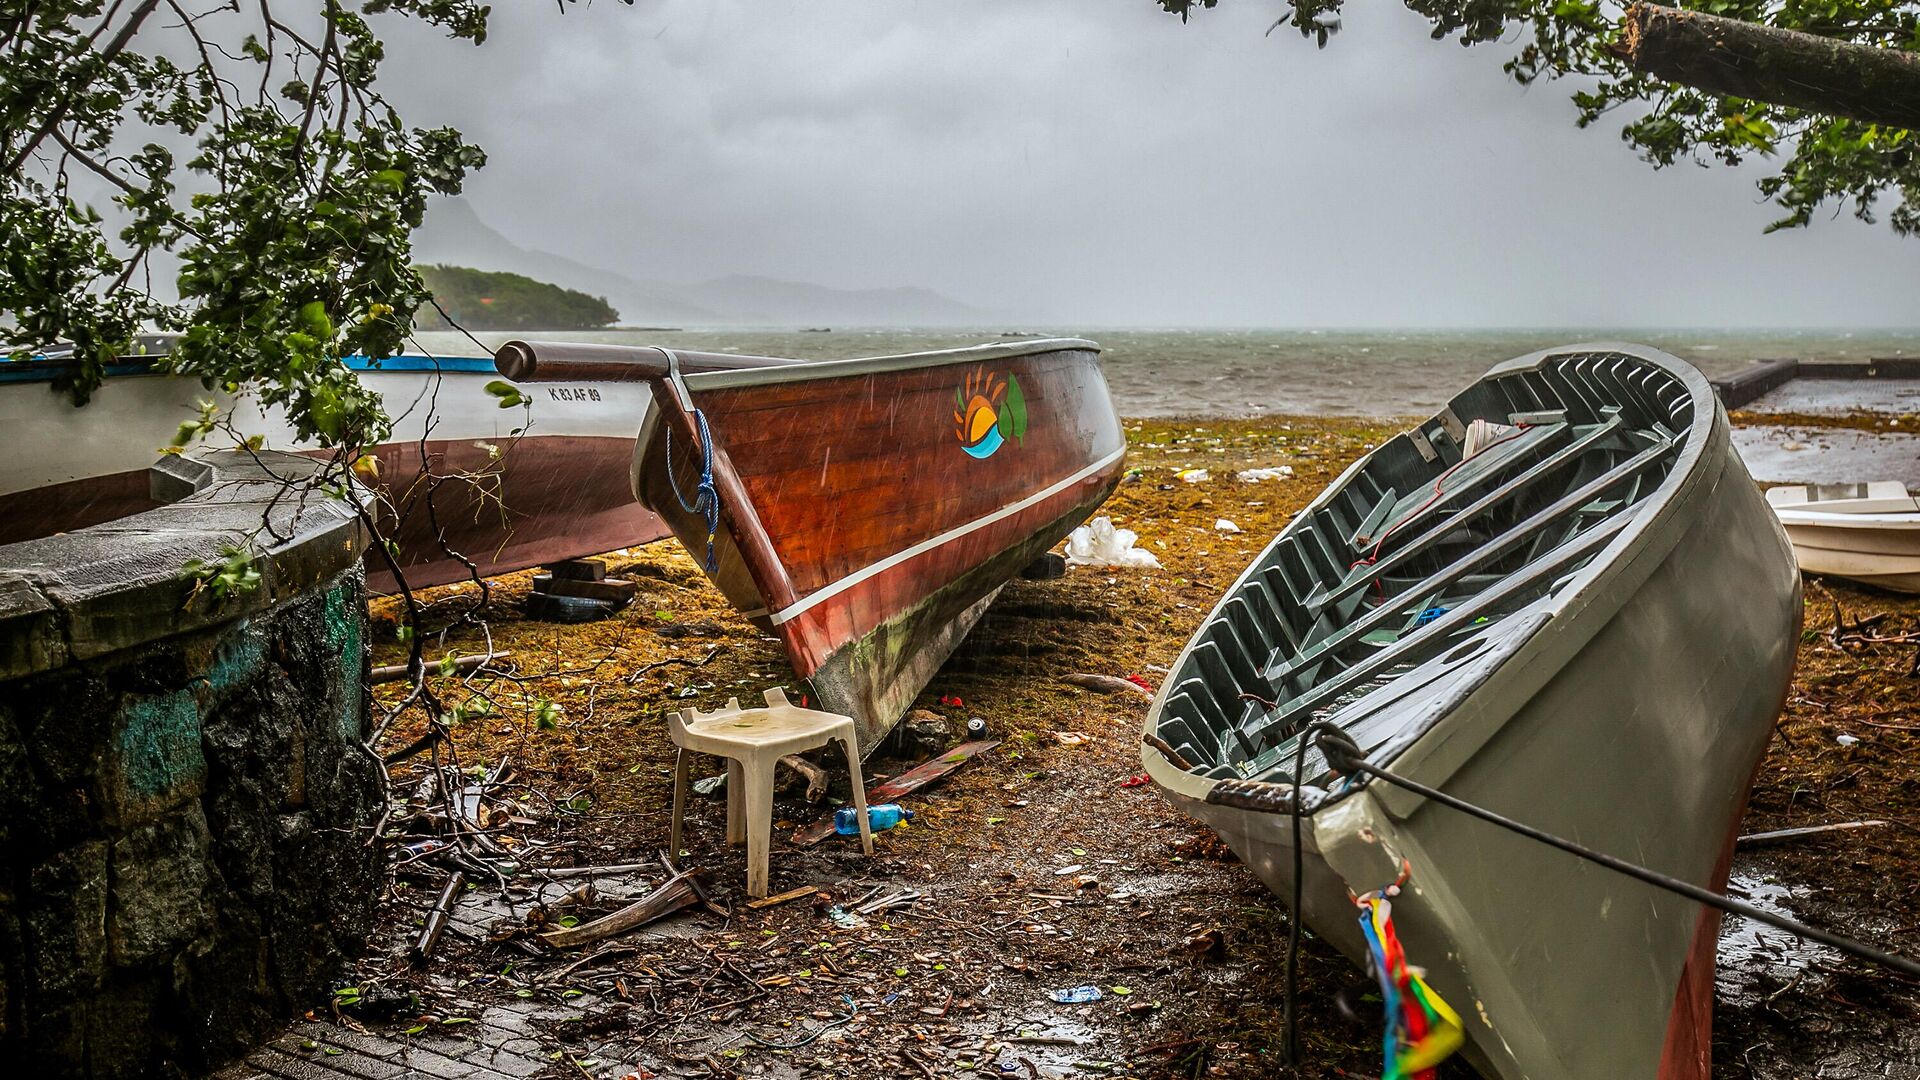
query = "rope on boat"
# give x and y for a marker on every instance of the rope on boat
(1347, 758)
(1417, 1036)
(706, 497)
(1422, 1030)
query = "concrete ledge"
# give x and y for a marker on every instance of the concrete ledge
(1886, 367)
(186, 794)
(1750, 384)
(118, 585)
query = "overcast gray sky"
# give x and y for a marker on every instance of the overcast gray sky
(1095, 162)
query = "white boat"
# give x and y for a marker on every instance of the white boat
(562, 489)
(1561, 598)
(1868, 532)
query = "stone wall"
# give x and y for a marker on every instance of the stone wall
(184, 821)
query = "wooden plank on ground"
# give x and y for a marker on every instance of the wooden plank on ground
(906, 783)
(790, 894)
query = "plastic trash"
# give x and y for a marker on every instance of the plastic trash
(1098, 543)
(879, 818)
(1078, 995)
(1847, 740)
(1484, 433)
(1254, 476)
(1429, 615)
(844, 919)
(1225, 526)
(1194, 476)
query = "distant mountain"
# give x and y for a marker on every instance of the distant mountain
(453, 233)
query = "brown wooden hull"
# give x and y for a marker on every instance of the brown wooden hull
(75, 504)
(856, 519)
(547, 499)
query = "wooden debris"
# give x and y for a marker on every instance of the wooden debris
(578, 570)
(790, 894)
(1167, 751)
(907, 782)
(815, 775)
(387, 673)
(1105, 684)
(682, 890)
(437, 918)
(1777, 836)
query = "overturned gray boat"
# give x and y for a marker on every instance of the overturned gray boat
(1563, 599)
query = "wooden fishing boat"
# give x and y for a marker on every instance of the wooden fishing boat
(1562, 598)
(866, 511)
(1868, 533)
(557, 490)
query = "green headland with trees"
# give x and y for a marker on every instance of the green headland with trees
(500, 300)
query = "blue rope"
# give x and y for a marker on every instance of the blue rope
(706, 497)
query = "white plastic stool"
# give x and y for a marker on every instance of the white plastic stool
(752, 741)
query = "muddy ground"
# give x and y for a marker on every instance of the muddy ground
(1185, 946)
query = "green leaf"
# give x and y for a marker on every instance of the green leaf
(313, 319)
(1013, 411)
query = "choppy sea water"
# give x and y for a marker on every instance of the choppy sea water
(1257, 372)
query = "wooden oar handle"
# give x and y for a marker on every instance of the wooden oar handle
(577, 361)
(570, 361)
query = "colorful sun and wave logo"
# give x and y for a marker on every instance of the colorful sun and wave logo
(988, 411)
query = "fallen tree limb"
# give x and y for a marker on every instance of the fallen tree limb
(682, 890)
(815, 775)
(387, 673)
(437, 918)
(1780, 67)
(1105, 684)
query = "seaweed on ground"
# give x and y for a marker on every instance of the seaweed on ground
(1185, 946)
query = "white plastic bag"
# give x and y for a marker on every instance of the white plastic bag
(1098, 543)
(1254, 476)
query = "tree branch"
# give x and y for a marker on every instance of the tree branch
(1781, 67)
(94, 166)
(59, 112)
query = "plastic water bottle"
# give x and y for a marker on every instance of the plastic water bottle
(879, 818)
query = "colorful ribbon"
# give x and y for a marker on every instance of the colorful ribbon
(1422, 1030)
